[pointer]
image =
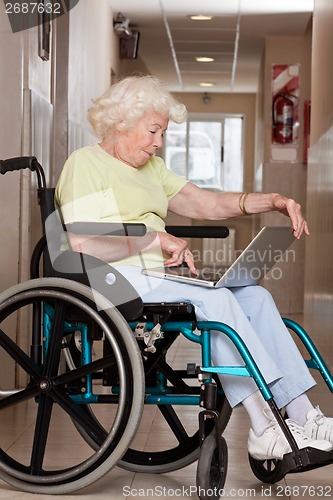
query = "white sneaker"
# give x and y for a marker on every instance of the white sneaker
(272, 444)
(318, 426)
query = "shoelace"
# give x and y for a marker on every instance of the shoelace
(320, 417)
(297, 429)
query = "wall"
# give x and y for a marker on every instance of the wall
(34, 97)
(319, 270)
(26, 110)
(79, 69)
(10, 145)
(282, 177)
(91, 61)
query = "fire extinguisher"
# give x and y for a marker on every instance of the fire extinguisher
(283, 118)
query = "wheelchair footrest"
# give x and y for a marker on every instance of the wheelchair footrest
(306, 459)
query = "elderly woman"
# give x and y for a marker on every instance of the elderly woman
(120, 179)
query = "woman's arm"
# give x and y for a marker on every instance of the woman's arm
(114, 248)
(198, 203)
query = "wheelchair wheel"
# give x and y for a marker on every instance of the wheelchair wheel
(267, 471)
(212, 469)
(182, 443)
(172, 422)
(52, 398)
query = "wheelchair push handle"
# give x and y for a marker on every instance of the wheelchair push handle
(21, 163)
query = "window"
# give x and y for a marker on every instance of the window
(207, 150)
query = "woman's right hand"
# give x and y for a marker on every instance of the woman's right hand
(177, 251)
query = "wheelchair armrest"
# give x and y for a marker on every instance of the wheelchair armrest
(169, 311)
(198, 231)
(107, 228)
(165, 307)
(102, 277)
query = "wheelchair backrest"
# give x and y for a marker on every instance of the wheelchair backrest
(86, 269)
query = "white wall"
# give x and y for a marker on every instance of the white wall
(30, 89)
(319, 270)
(92, 55)
(285, 177)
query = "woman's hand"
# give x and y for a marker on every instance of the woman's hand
(177, 250)
(292, 209)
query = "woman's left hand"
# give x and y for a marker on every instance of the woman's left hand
(292, 209)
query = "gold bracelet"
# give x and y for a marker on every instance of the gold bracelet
(241, 203)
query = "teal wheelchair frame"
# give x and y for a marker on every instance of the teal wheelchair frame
(99, 366)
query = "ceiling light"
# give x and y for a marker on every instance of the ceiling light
(206, 84)
(204, 59)
(200, 17)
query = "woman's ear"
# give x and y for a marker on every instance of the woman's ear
(120, 126)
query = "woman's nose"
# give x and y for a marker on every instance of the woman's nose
(158, 143)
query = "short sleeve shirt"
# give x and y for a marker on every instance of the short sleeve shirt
(95, 186)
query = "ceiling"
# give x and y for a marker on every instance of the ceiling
(170, 40)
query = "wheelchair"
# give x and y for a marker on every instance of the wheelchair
(98, 362)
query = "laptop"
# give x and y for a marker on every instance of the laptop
(258, 258)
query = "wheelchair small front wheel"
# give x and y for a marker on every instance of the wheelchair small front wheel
(212, 468)
(267, 471)
(183, 447)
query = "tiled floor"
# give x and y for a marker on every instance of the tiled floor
(121, 484)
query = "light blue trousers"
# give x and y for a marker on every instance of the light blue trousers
(252, 312)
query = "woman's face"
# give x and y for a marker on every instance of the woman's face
(136, 145)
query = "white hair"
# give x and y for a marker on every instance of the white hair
(126, 101)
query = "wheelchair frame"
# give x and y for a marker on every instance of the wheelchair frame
(133, 358)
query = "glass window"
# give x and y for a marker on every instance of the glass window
(207, 150)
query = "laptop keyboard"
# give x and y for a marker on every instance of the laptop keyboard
(204, 274)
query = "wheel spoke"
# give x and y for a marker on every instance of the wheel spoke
(82, 371)
(268, 471)
(42, 426)
(82, 418)
(19, 356)
(173, 377)
(19, 397)
(55, 343)
(174, 423)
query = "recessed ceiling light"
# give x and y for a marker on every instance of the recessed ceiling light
(204, 59)
(206, 84)
(200, 17)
